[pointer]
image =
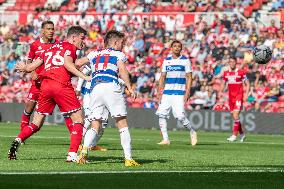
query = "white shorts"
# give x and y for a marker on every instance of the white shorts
(174, 102)
(86, 104)
(104, 98)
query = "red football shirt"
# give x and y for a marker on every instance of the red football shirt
(54, 62)
(36, 48)
(235, 81)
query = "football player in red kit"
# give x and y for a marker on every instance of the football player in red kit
(56, 89)
(36, 48)
(236, 78)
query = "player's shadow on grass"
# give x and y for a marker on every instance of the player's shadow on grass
(108, 159)
(147, 161)
(49, 144)
(114, 159)
(41, 158)
(206, 144)
(144, 149)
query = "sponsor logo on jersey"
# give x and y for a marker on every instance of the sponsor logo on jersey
(175, 68)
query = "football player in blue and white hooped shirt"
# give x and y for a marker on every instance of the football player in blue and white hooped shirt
(174, 90)
(84, 88)
(106, 94)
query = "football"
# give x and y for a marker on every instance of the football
(262, 54)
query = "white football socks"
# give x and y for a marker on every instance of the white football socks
(125, 140)
(100, 134)
(185, 122)
(163, 127)
(90, 137)
(86, 126)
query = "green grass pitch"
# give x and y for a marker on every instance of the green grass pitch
(213, 163)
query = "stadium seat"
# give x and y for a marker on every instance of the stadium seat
(281, 98)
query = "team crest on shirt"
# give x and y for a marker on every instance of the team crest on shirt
(238, 103)
(39, 48)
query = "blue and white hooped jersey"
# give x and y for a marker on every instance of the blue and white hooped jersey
(176, 70)
(104, 65)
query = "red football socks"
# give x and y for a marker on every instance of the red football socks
(25, 120)
(240, 129)
(69, 124)
(76, 137)
(237, 127)
(28, 131)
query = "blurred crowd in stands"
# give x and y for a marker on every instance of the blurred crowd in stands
(207, 45)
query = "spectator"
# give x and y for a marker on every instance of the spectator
(11, 62)
(200, 98)
(83, 5)
(211, 98)
(141, 80)
(149, 103)
(170, 25)
(139, 45)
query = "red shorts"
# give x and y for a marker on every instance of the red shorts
(236, 103)
(54, 93)
(34, 91)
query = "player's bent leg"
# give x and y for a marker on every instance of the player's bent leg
(164, 132)
(29, 108)
(25, 134)
(90, 137)
(186, 123)
(125, 140)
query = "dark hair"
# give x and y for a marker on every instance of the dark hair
(176, 41)
(46, 23)
(111, 35)
(233, 57)
(76, 30)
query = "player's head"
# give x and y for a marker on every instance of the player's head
(176, 47)
(47, 30)
(76, 35)
(232, 62)
(114, 39)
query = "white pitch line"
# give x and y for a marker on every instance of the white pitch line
(141, 171)
(142, 139)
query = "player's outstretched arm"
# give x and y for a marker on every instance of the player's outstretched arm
(70, 66)
(124, 75)
(23, 67)
(81, 62)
